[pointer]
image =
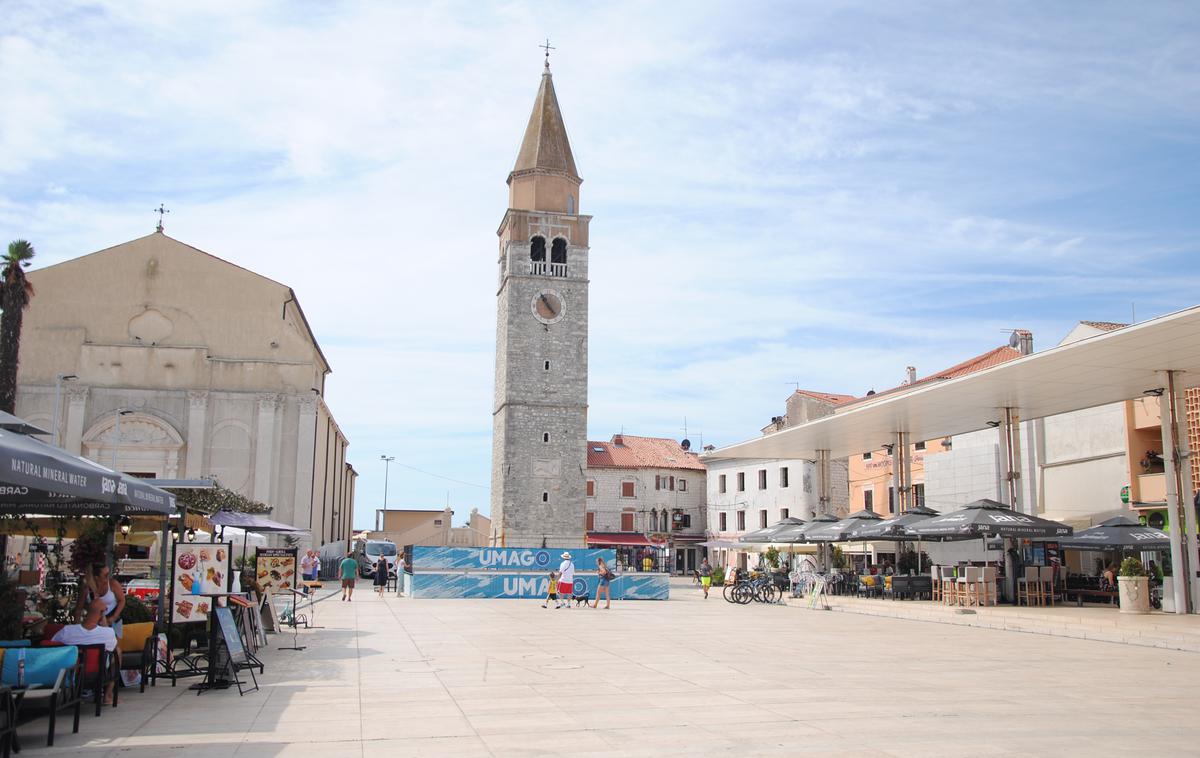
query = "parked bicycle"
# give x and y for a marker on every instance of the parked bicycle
(757, 586)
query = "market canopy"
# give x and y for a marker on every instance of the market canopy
(1107, 368)
(893, 528)
(1118, 532)
(986, 518)
(36, 477)
(251, 522)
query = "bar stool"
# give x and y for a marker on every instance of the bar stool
(968, 586)
(935, 581)
(1029, 587)
(949, 590)
(1046, 584)
(987, 594)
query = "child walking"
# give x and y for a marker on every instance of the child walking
(552, 590)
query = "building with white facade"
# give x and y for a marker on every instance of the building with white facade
(646, 497)
(745, 495)
(164, 361)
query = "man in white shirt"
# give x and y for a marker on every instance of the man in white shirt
(306, 566)
(566, 581)
(89, 632)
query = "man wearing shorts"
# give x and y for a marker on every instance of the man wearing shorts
(349, 571)
(705, 576)
(566, 580)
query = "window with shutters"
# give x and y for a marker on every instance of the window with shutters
(741, 521)
(627, 522)
(723, 520)
(721, 483)
(762, 478)
(591, 487)
(627, 489)
(783, 476)
(591, 521)
(762, 519)
(741, 481)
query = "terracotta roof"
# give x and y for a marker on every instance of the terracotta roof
(971, 365)
(545, 146)
(829, 397)
(628, 451)
(1106, 326)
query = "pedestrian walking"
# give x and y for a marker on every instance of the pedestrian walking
(306, 566)
(604, 575)
(400, 564)
(566, 579)
(349, 572)
(705, 576)
(551, 590)
(381, 575)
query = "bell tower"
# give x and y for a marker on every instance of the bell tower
(539, 417)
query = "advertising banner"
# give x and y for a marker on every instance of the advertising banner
(197, 568)
(494, 584)
(275, 568)
(506, 558)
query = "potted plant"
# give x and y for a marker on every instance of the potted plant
(1133, 587)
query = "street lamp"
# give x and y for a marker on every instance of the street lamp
(124, 525)
(117, 436)
(58, 380)
(191, 534)
(387, 462)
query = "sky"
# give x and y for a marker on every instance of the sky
(812, 194)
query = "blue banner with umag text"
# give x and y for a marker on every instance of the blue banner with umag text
(507, 584)
(505, 558)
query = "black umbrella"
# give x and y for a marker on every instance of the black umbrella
(892, 528)
(840, 531)
(39, 478)
(768, 533)
(1118, 532)
(986, 518)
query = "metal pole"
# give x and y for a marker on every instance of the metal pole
(58, 380)
(162, 573)
(117, 437)
(1179, 502)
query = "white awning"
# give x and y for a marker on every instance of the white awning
(1107, 368)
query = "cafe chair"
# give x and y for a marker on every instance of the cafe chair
(1046, 584)
(968, 586)
(1029, 587)
(935, 581)
(987, 588)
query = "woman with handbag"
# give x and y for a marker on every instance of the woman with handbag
(605, 575)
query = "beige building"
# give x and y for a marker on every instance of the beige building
(173, 363)
(418, 527)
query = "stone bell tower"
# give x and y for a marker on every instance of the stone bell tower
(539, 432)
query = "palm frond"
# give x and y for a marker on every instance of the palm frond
(19, 251)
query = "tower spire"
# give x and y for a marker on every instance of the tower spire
(545, 146)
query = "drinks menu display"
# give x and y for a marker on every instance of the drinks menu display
(196, 569)
(275, 568)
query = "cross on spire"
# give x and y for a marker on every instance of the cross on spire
(161, 210)
(547, 48)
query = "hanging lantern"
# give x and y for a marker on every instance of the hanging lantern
(125, 524)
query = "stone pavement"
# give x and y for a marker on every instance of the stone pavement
(399, 677)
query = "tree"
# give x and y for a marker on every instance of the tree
(218, 498)
(15, 292)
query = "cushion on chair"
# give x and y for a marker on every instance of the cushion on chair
(133, 639)
(15, 643)
(41, 665)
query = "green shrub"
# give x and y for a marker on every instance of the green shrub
(1131, 567)
(772, 556)
(718, 576)
(135, 611)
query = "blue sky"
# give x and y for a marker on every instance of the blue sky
(821, 193)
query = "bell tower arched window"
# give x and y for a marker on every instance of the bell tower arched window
(537, 249)
(558, 251)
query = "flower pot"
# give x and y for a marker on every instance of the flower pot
(1134, 592)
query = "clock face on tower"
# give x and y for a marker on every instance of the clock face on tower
(548, 306)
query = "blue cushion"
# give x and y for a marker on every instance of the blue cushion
(42, 664)
(15, 643)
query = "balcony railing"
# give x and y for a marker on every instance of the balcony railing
(542, 268)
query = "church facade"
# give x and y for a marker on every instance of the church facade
(171, 363)
(539, 436)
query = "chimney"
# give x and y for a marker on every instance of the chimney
(1025, 341)
(618, 439)
(912, 374)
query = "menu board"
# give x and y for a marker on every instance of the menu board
(195, 569)
(275, 568)
(232, 636)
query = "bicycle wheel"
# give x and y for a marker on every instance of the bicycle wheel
(727, 592)
(743, 594)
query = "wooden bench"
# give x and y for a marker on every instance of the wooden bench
(1080, 594)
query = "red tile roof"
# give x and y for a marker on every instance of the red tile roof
(829, 397)
(628, 451)
(1106, 326)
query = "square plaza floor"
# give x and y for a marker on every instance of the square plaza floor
(398, 677)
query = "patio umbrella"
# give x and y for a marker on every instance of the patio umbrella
(768, 533)
(1118, 532)
(19, 425)
(251, 522)
(986, 518)
(39, 478)
(840, 531)
(894, 528)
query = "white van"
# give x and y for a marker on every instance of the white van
(368, 553)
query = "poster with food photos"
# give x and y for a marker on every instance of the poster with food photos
(196, 569)
(276, 568)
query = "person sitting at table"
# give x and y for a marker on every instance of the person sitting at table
(1108, 580)
(101, 586)
(91, 632)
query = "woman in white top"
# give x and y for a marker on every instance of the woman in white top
(101, 586)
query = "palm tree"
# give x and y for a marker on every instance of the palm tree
(15, 291)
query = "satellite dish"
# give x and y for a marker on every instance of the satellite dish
(1014, 339)
(686, 444)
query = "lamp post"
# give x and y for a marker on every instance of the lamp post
(387, 462)
(58, 382)
(117, 436)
